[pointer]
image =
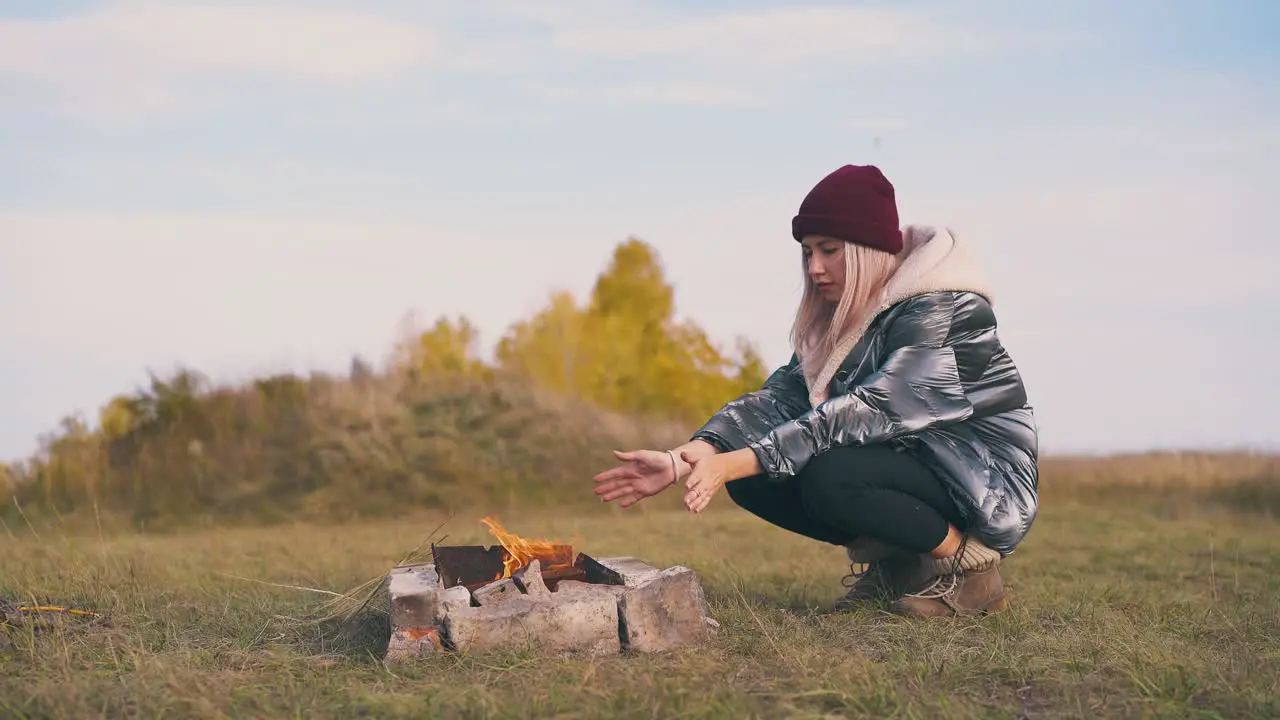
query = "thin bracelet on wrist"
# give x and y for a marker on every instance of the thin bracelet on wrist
(675, 471)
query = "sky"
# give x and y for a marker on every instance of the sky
(271, 186)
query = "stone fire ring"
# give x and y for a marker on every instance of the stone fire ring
(600, 606)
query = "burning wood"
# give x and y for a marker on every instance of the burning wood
(520, 551)
(475, 566)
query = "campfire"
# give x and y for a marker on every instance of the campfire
(519, 552)
(556, 561)
(482, 570)
(523, 593)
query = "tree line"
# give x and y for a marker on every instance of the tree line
(435, 426)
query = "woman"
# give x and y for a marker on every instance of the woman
(900, 428)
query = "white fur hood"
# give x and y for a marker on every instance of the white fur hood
(934, 260)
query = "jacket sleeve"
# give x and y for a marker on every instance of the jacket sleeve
(916, 386)
(752, 416)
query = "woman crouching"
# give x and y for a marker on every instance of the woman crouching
(900, 428)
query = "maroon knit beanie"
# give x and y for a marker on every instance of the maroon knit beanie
(855, 203)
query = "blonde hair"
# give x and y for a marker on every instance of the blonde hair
(820, 325)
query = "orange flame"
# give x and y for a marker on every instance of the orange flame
(521, 552)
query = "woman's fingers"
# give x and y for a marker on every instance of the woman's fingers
(620, 482)
(699, 501)
(618, 473)
(616, 493)
(634, 498)
(692, 498)
(700, 491)
(611, 484)
(692, 484)
(621, 493)
(616, 489)
(695, 480)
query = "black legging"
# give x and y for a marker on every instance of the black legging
(854, 492)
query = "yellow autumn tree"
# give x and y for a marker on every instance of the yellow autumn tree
(70, 467)
(549, 347)
(447, 348)
(624, 350)
(118, 417)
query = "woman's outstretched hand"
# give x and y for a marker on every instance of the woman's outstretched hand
(710, 473)
(642, 474)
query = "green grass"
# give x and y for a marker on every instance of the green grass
(1118, 612)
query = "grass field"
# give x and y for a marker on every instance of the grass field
(1121, 610)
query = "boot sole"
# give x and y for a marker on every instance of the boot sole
(1000, 604)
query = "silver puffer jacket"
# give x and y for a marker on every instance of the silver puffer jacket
(928, 376)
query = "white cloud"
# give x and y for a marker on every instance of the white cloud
(726, 58)
(663, 92)
(683, 93)
(770, 38)
(138, 56)
(731, 57)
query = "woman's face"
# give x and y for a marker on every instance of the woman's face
(824, 263)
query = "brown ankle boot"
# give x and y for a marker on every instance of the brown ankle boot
(970, 592)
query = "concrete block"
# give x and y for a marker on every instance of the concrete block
(529, 578)
(497, 592)
(665, 611)
(414, 595)
(629, 570)
(574, 622)
(572, 587)
(408, 643)
(453, 598)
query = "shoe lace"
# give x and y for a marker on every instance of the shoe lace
(940, 587)
(871, 569)
(946, 584)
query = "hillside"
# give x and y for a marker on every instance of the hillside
(432, 428)
(436, 429)
(332, 448)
